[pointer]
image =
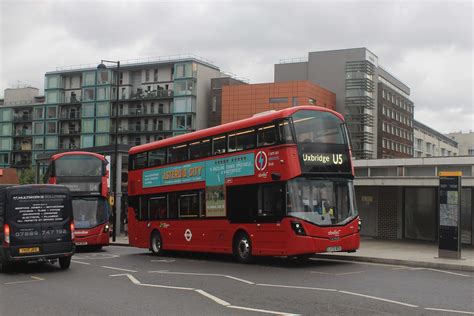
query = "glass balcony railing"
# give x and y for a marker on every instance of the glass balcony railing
(22, 147)
(70, 115)
(22, 118)
(22, 132)
(154, 94)
(69, 131)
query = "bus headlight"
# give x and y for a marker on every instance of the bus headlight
(106, 228)
(360, 224)
(298, 228)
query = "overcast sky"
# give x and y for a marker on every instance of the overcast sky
(428, 45)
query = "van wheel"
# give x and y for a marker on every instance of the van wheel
(242, 248)
(156, 243)
(64, 262)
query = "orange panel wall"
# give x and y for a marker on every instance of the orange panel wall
(243, 101)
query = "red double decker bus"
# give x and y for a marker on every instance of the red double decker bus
(85, 174)
(276, 184)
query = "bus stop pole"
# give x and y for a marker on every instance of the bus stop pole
(118, 194)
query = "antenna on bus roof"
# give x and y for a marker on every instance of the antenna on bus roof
(263, 113)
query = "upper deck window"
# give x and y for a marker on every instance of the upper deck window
(219, 145)
(267, 135)
(242, 140)
(178, 153)
(318, 127)
(200, 149)
(73, 166)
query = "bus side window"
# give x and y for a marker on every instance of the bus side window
(286, 136)
(158, 208)
(157, 157)
(242, 140)
(267, 136)
(178, 153)
(139, 161)
(219, 145)
(200, 149)
(173, 205)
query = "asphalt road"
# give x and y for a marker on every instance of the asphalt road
(129, 281)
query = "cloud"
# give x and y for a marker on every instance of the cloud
(426, 44)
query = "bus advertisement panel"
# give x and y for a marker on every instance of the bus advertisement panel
(278, 184)
(86, 176)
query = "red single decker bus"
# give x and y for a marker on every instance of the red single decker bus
(85, 174)
(277, 184)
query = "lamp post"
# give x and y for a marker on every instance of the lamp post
(114, 184)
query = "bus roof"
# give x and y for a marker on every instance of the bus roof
(228, 127)
(72, 153)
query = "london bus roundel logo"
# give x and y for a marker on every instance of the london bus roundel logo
(188, 235)
(261, 160)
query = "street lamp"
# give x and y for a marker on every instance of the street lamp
(115, 170)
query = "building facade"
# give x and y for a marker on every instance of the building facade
(465, 142)
(430, 143)
(356, 78)
(239, 101)
(157, 99)
(215, 113)
(16, 126)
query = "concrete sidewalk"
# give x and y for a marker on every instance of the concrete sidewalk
(397, 252)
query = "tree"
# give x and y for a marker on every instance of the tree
(27, 176)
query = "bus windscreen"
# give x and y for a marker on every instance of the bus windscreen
(78, 165)
(89, 211)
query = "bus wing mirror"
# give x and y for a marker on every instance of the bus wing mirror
(276, 176)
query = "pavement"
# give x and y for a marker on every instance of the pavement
(396, 252)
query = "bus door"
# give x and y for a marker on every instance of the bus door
(270, 234)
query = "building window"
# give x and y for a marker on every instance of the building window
(5, 143)
(384, 94)
(87, 141)
(278, 100)
(6, 114)
(103, 109)
(38, 143)
(88, 94)
(52, 112)
(101, 140)
(51, 127)
(155, 75)
(51, 142)
(88, 126)
(147, 75)
(103, 93)
(311, 101)
(88, 110)
(38, 128)
(103, 77)
(89, 78)
(102, 126)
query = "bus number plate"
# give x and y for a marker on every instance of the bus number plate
(81, 243)
(29, 250)
(332, 249)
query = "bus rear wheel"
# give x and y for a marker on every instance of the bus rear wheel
(64, 262)
(156, 243)
(242, 248)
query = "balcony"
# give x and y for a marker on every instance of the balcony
(70, 131)
(21, 163)
(138, 129)
(70, 115)
(22, 147)
(155, 94)
(22, 118)
(22, 133)
(68, 146)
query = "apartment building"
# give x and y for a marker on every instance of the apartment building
(430, 143)
(158, 98)
(357, 79)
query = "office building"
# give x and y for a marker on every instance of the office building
(235, 100)
(465, 142)
(359, 83)
(430, 143)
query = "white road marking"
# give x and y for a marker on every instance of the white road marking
(35, 279)
(212, 297)
(119, 269)
(379, 299)
(98, 256)
(204, 274)
(163, 260)
(297, 287)
(262, 311)
(448, 311)
(86, 263)
(204, 293)
(336, 274)
(443, 271)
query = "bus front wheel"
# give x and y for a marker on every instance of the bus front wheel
(243, 248)
(156, 243)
